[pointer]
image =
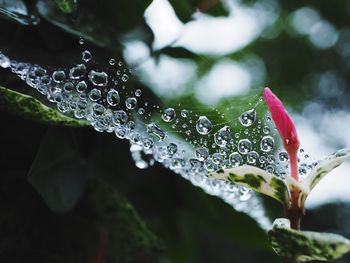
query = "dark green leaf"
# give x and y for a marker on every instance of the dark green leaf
(67, 6)
(59, 171)
(16, 10)
(102, 22)
(30, 108)
(305, 245)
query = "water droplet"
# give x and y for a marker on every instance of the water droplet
(154, 130)
(77, 72)
(252, 157)
(172, 149)
(98, 78)
(168, 115)
(121, 131)
(244, 146)
(86, 56)
(94, 94)
(113, 97)
(4, 61)
(184, 113)
(217, 158)
(120, 117)
(97, 110)
(58, 76)
(81, 41)
(210, 165)
(125, 78)
(267, 143)
(81, 86)
(138, 93)
(131, 103)
(203, 125)
(141, 111)
(283, 156)
(147, 143)
(112, 62)
(68, 87)
(223, 136)
(235, 159)
(248, 118)
(202, 153)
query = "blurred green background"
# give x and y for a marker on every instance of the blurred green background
(62, 189)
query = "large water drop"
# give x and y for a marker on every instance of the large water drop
(223, 136)
(247, 118)
(203, 125)
(168, 115)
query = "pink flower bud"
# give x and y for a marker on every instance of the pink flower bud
(285, 127)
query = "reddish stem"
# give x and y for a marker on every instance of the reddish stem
(293, 160)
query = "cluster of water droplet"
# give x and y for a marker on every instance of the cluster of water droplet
(101, 97)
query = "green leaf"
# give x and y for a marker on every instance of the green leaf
(184, 9)
(67, 6)
(256, 179)
(17, 11)
(59, 172)
(306, 245)
(325, 167)
(30, 108)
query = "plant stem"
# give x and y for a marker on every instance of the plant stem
(293, 160)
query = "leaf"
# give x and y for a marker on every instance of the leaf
(30, 108)
(185, 9)
(256, 179)
(306, 245)
(59, 172)
(101, 22)
(17, 11)
(67, 6)
(325, 167)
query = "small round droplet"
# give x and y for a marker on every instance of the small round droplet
(131, 103)
(172, 149)
(113, 97)
(283, 156)
(248, 118)
(125, 78)
(267, 143)
(68, 87)
(138, 93)
(202, 153)
(244, 146)
(141, 111)
(86, 56)
(168, 115)
(120, 117)
(112, 62)
(252, 157)
(203, 125)
(58, 76)
(184, 113)
(81, 86)
(223, 136)
(94, 94)
(235, 159)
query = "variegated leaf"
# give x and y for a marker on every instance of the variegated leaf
(30, 108)
(305, 245)
(256, 179)
(324, 167)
